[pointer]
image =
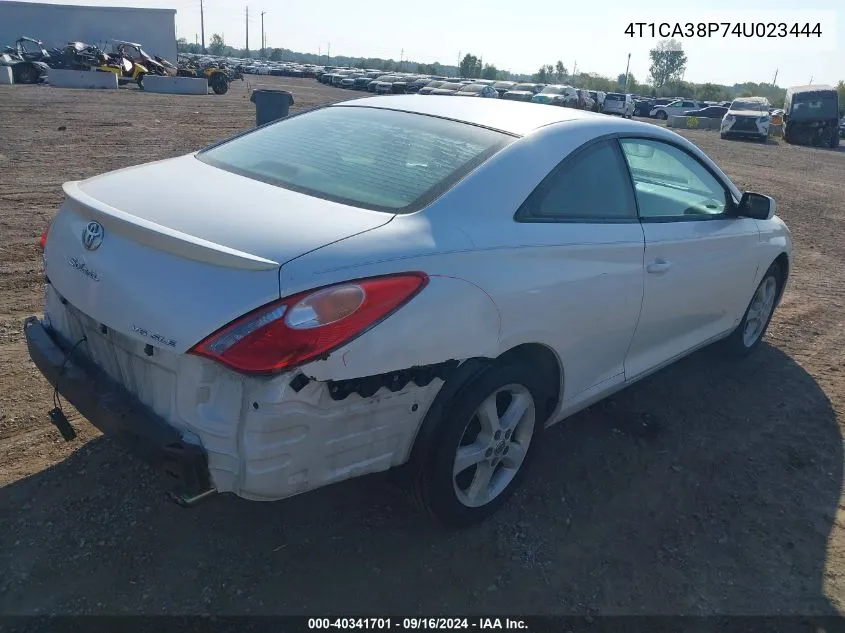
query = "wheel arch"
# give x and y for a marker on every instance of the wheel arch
(532, 354)
(549, 369)
(782, 262)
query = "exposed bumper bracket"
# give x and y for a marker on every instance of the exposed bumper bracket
(118, 413)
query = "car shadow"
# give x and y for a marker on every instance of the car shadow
(710, 487)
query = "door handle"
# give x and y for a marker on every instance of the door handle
(658, 266)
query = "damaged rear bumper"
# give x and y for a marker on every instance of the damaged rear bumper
(117, 413)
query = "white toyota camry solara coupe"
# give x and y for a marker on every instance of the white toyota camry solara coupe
(418, 284)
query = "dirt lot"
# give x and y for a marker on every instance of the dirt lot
(711, 487)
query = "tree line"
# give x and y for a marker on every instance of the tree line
(668, 64)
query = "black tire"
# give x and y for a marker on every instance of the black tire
(723, 136)
(834, 140)
(140, 82)
(736, 344)
(432, 484)
(26, 74)
(661, 115)
(219, 83)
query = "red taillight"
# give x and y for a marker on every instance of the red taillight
(42, 242)
(298, 329)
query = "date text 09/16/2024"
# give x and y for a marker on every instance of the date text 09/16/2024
(417, 624)
(723, 29)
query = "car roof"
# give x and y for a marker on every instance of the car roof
(508, 116)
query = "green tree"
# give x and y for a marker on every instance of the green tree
(707, 92)
(470, 66)
(560, 71)
(668, 63)
(218, 44)
(489, 72)
(276, 55)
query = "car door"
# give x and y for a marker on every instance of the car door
(700, 260)
(674, 108)
(584, 263)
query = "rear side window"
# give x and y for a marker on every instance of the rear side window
(592, 185)
(371, 158)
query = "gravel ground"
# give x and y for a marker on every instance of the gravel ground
(709, 488)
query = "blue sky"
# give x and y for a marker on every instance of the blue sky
(520, 36)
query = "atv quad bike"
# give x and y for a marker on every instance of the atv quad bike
(78, 56)
(219, 76)
(27, 60)
(125, 69)
(137, 55)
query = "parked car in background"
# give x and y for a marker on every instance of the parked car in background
(523, 92)
(349, 80)
(643, 107)
(558, 95)
(371, 87)
(431, 85)
(417, 84)
(710, 112)
(747, 117)
(842, 128)
(811, 115)
(477, 90)
(598, 99)
(585, 99)
(361, 83)
(588, 252)
(503, 86)
(675, 108)
(384, 84)
(447, 88)
(619, 103)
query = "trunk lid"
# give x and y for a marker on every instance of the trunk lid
(180, 248)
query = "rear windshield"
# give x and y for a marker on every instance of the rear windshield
(371, 158)
(811, 106)
(612, 96)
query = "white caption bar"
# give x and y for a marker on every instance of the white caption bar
(765, 30)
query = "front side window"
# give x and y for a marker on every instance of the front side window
(365, 157)
(590, 186)
(669, 183)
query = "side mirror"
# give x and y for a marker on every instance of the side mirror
(756, 206)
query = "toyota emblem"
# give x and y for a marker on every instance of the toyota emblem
(92, 236)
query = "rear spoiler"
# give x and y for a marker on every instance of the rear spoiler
(161, 237)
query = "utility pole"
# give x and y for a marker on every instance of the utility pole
(774, 81)
(575, 69)
(263, 37)
(329, 54)
(247, 30)
(202, 27)
(401, 58)
(627, 67)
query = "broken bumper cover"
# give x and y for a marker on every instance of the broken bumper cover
(117, 413)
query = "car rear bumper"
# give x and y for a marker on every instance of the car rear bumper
(117, 413)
